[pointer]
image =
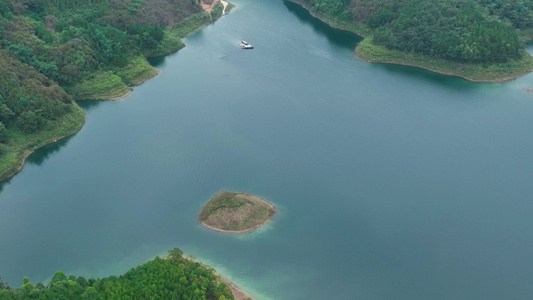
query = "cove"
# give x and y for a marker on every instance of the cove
(390, 182)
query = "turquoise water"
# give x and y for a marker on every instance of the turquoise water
(391, 182)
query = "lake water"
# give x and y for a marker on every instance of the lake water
(391, 182)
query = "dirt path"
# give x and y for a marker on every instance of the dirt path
(209, 7)
(224, 3)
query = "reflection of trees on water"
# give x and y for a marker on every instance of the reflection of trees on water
(87, 105)
(435, 78)
(4, 183)
(335, 36)
(157, 62)
(42, 154)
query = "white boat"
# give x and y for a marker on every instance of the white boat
(245, 45)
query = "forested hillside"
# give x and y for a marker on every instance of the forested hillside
(171, 278)
(71, 41)
(464, 31)
(55, 51)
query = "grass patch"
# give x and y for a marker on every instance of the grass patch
(137, 71)
(168, 45)
(104, 85)
(236, 212)
(112, 85)
(172, 39)
(370, 52)
(190, 24)
(22, 145)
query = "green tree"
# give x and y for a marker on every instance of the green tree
(90, 293)
(29, 122)
(3, 150)
(4, 134)
(59, 276)
(175, 254)
(3, 285)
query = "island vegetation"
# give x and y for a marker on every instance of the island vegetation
(172, 277)
(480, 40)
(53, 52)
(236, 212)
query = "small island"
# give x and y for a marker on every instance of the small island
(236, 212)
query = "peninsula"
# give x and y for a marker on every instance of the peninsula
(54, 52)
(173, 277)
(236, 212)
(478, 40)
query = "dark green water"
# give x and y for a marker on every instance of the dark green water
(391, 182)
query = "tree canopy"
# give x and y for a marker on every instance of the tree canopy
(173, 277)
(472, 31)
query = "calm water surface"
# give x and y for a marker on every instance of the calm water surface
(391, 182)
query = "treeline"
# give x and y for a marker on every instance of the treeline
(517, 12)
(171, 278)
(456, 30)
(472, 31)
(29, 101)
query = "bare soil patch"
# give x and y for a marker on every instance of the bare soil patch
(208, 5)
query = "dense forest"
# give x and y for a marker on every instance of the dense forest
(471, 31)
(55, 51)
(173, 277)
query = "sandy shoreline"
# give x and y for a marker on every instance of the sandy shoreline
(240, 231)
(499, 80)
(115, 98)
(245, 230)
(237, 292)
